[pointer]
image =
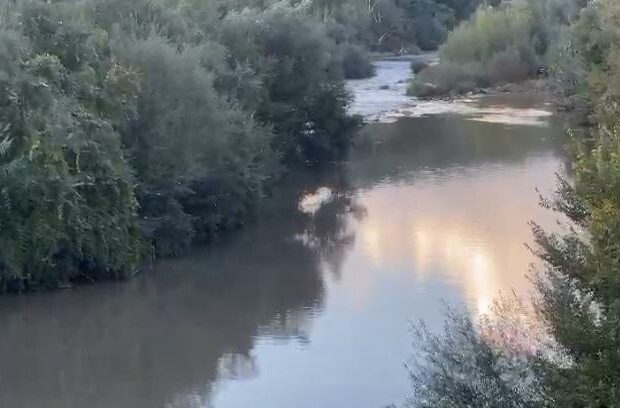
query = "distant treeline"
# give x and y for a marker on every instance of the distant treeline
(394, 25)
(503, 42)
(563, 349)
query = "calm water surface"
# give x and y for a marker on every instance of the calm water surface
(310, 307)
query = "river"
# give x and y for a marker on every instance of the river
(310, 306)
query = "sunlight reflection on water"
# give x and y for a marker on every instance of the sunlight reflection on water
(310, 203)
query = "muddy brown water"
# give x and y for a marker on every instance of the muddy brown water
(311, 305)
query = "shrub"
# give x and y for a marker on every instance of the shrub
(356, 63)
(511, 66)
(304, 96)
(498, 45)
(447, 78)
(417, 66)
(577, 289)
(143, 127)
(68, 203)
(463, 367)
(490, 31)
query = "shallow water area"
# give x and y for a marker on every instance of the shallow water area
(383, 99)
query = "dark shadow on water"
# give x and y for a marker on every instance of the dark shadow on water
(169, 334)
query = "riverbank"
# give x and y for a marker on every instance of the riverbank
(533, 86)
(571, 358)
(383, 99)
(131, 147)
(325, 283)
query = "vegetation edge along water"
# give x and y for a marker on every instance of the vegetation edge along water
(559, 349)
(134, 129)
(131, 130)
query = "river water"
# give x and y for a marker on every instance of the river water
(311, 306)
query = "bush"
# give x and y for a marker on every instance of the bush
(188, 148)
(68, 203)
(577, 301)
(511, 66)
(418, 66)
(423, 90)
(464, 367)
(491, 31)
(447, 78)
(135, 128)
(498, 45)
(356, 63)
(304, 96)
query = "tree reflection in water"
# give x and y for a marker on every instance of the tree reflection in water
(166, 337)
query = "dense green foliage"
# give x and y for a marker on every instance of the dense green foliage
(502, 44)
(133, 129)
(137, 128)
(466, 366)
(573, 361)
(582, 303)
(393, 25)
(68, 203)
